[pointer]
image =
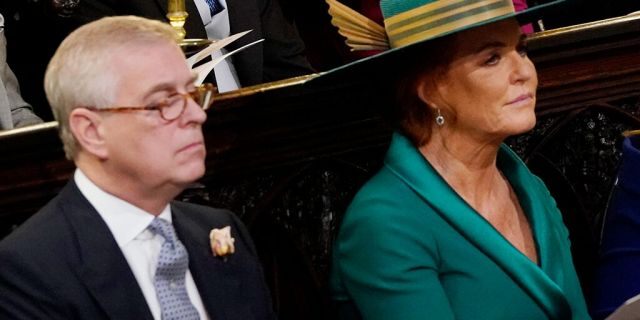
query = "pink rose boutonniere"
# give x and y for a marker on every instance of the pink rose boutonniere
(222, 242)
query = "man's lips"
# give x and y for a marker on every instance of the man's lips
(192, 146)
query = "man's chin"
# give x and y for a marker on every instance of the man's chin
(190, 173)
(197, 173)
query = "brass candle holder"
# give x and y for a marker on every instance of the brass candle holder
(177, 15)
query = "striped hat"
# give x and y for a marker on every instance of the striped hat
(409, 22)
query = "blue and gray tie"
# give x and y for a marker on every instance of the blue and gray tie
(169, 280)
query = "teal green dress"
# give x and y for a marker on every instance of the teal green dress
(410, 248)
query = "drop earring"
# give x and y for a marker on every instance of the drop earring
(439, 118)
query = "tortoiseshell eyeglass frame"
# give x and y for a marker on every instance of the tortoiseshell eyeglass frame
(202, 95)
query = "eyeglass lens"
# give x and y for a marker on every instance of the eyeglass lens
(176, 104)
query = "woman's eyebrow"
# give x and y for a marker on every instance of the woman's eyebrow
(490, 45)
(499, 44)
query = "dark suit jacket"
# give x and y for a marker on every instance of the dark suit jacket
(64, 263)
(617, 278)
(280, 56)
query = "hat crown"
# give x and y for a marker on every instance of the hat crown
(410, 21)
(391, 8)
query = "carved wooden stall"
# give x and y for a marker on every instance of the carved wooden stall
(287, 157)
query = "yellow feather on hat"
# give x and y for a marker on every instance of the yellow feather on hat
(361, 32)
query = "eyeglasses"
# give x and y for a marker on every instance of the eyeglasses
(172, 107)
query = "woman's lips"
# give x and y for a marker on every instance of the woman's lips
(521, 98)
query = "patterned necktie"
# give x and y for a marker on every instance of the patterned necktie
(214, 7)
(170, 274)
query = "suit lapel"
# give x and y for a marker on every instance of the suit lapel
(193, 25)
(411, 167)
(249, 63)
(214, 277)
(104, 270)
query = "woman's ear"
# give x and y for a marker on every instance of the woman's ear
(427, 91)
(87, 128)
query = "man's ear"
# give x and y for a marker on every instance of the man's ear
(87, 127)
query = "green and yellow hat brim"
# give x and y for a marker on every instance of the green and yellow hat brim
(415, 22)
(405, 26)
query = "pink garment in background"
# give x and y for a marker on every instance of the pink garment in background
(521, 5)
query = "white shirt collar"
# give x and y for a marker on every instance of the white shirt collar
(125, 221)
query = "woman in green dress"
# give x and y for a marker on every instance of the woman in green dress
(454, 226)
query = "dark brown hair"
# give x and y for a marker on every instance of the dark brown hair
(409, 114)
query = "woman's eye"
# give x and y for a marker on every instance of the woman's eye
(493, 60)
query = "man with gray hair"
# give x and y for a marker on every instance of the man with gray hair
(113, 244)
